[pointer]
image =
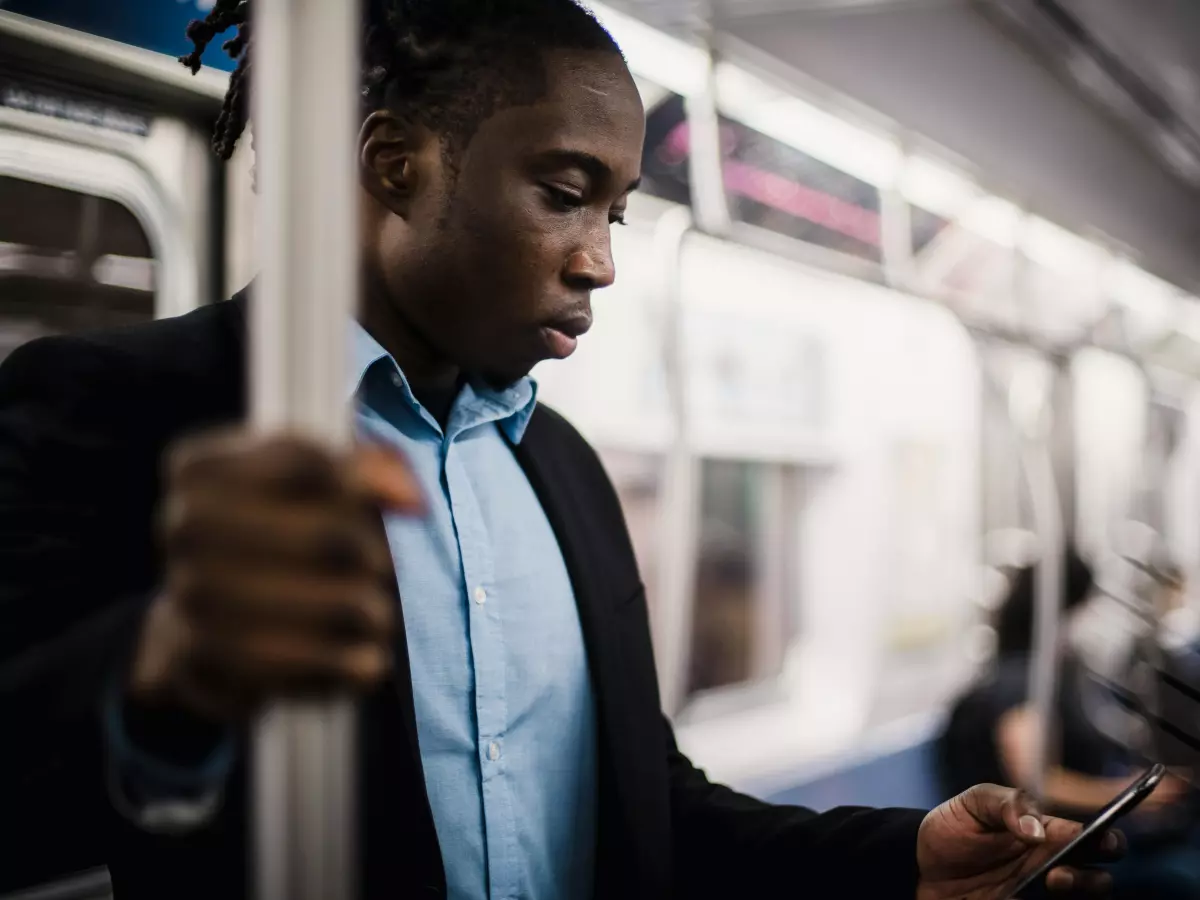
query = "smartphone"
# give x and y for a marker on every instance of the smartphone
(1125, 802)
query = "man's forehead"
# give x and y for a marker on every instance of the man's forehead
(598, 117)
(588, 78)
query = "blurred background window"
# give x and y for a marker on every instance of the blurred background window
(69, 262)
(638, 478)
(741, 620)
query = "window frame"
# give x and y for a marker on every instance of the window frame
(56, 154)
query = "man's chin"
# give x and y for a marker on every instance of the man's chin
(502, 380)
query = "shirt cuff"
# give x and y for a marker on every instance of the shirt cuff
(149, 776)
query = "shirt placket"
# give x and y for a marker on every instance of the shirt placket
(487, 657)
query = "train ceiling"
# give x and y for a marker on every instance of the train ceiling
(1141, 61)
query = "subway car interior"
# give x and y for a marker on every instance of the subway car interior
(909, 299)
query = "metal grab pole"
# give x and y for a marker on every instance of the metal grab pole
(305, 85)
(1038, 465)
(678, 512)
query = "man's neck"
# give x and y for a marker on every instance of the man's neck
(438, 401)
(434, 381)
(427, 370)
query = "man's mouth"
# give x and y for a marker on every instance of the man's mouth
(561, 336)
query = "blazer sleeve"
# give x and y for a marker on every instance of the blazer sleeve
(66, 618)
(727, 844)
(77, 486)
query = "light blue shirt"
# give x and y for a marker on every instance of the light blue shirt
(503, 698)
(504, 706)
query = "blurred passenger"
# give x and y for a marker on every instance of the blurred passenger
(1177, 627)
(992, 729)
(516, 748)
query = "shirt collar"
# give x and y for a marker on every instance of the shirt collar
(511, 407)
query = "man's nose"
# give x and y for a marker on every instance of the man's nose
(591, 268)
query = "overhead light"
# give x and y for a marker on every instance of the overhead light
(1059, 250)
(945, 192)
(936, 188)
(1140, 292)
(1188, 322)
(999, 221)
(656, 56)
(872, 157)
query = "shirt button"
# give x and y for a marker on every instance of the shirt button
(493, 751)
(397, 379)
(480, 596)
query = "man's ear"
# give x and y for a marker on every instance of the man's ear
(393, 160)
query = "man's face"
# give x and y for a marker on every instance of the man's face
(493, 266)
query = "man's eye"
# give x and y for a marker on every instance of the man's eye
(564, 199)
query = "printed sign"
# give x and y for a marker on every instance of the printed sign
(74, 109)
(768, 184)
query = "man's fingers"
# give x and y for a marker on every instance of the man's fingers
(231, 600)
(286, 664)
(291, 468)
(217, 524)
(382, 477)
(1079, 882)
(1113, 846)
(1022, 817)
(282, 466)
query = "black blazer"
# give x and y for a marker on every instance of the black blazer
(83, 425)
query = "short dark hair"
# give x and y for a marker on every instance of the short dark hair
(445, 64)
(1015, 618)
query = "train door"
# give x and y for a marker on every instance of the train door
(109, 202)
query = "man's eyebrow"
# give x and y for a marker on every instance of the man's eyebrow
(593, 165)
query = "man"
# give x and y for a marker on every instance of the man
(511, 736)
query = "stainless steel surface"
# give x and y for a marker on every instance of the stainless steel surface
(303, 803)
(1037, 461)
(680, 498)
(706, 158)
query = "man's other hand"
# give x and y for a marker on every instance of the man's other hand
(277, 575)
(979, 845)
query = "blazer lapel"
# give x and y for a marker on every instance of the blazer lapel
(551, 479)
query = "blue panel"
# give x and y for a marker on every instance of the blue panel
(906, 779)
(157, 25)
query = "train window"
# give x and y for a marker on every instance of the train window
(665, 155)
(69, 261)
(741, 617)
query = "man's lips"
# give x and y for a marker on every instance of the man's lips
(562, 335)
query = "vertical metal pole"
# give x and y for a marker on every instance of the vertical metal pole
(706, 157)
(679, 511)
(1038, 463)
(899, 265)
(306, 78)
(681, 492)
